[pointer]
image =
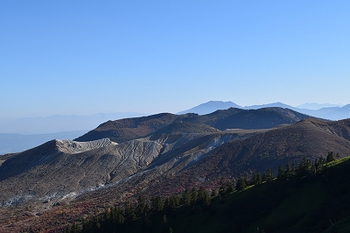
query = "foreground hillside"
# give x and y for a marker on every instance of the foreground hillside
(301, 200)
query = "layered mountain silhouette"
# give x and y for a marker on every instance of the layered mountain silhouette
(164, 154)
(10, 142)
(330, 112)
(232, 118)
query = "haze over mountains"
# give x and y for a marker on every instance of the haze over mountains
(325, 111)
(42, 129)
(162, 154)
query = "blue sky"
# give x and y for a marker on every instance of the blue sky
(87, 57)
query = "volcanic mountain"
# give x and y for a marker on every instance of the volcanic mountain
(232, 118)
(163, 154)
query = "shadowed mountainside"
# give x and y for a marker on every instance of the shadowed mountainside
(177, 152)
(233, 118)
(129, 128)
(310, 138)
(317, 110)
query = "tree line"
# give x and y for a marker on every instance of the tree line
(155, 211)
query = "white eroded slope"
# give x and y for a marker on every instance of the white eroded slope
(59, 168)
(73, 147)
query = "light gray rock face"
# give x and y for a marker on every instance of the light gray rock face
(64, 169)
(72, 147)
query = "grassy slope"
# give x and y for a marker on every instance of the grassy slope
(301, 204)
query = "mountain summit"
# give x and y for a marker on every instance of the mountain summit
(210, 107)
(325, 111)
(220, 120)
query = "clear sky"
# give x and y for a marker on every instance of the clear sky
(86, 57)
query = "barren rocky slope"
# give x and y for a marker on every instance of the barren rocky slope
(184, 152)
(310, 138)
(60, 170)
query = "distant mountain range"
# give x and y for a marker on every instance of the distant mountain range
(159, 154)
(325, 111)
(316, 106)
(45, 128)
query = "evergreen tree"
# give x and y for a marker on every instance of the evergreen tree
(256, 179)
(247, 180)
(318, 164)
(281, 172)
(142, 207)
(229, 187)
(129, 212)
(203, 196)
(171, 203)
(288, 168)
(330, 156)
(240, 184)
(186, 198)
(119, 215)
(268, 175)
(157, 204)
(194, 195)
(222, 188)
(305, 166)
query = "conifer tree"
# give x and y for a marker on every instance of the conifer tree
(157, 204)
(222, 188)
(240, 184)
(129, 211)
(186, 198)
(288, 168)
(281, 172)
(171, 203)
(330, 156)
(268, 175)
(194, 195)
(203, 196)
(142, 207)
(256, 179)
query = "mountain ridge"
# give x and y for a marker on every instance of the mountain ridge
(232, 118)
(209, 107)
(326, 112)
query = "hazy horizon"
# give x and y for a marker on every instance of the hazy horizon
(83, 58)
(69, 123)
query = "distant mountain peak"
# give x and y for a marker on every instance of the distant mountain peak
(270, 105)
(211, 106)
(316, 106)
